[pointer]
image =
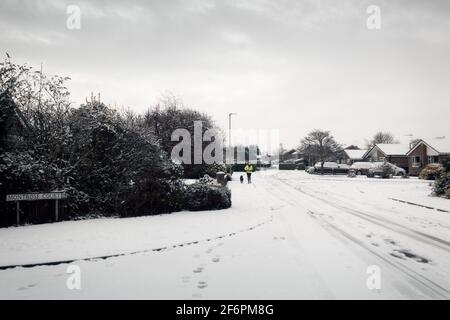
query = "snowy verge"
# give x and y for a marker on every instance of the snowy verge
(73, 240)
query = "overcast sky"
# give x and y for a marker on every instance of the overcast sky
(288, 65)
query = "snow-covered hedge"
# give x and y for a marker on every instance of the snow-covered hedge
(202, 196)
(110, 163)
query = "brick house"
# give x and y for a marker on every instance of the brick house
(424, 153)
(394, 153)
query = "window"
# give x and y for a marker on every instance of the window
(433, 159)
(416, 161)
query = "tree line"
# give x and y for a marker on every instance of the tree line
(320, 145)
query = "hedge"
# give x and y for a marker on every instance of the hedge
(291, 166)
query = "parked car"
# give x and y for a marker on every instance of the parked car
(361, 167)
(329, 168)
(385, 170)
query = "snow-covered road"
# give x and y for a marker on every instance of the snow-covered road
(289, 235)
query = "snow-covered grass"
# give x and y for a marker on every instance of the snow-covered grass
(288, 235)
(71, 240)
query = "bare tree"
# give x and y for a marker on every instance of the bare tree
(382, 137)
(319, 145)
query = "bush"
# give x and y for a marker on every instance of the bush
(442, 183)
(386, 171)
(442, 186)
(201, 196)
(431, 172)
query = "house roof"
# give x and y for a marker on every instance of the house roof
(438, 145)
(292, 151)
(355, 154)
(393, 149)
(390, 149)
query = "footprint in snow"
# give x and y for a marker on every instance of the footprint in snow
(202, 284)
(27, 287)
(390, 241)
(216, 259)
(403, 254)
(198, 270)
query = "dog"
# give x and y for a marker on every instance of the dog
(241, 178)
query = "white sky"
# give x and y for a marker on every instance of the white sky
(291, 66)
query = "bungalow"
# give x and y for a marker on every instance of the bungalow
(393, 153)
(353, 155)
(424, 153)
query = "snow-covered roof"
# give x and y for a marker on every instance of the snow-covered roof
(393, 149)
(355, 154)
(440, 145)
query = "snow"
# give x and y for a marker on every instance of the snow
(355, 154)
(440, 145)
(393, 149)
(189, 181)
(289, 235)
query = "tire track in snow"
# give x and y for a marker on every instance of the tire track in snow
(419, 278)
(423, 283)
(380, 221)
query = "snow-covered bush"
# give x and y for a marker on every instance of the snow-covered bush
(442, 183)
(442, 186)
(432, 172)
(386, 171)
(200, 196)
(206, 179)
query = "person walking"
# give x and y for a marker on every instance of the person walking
(249, 169)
